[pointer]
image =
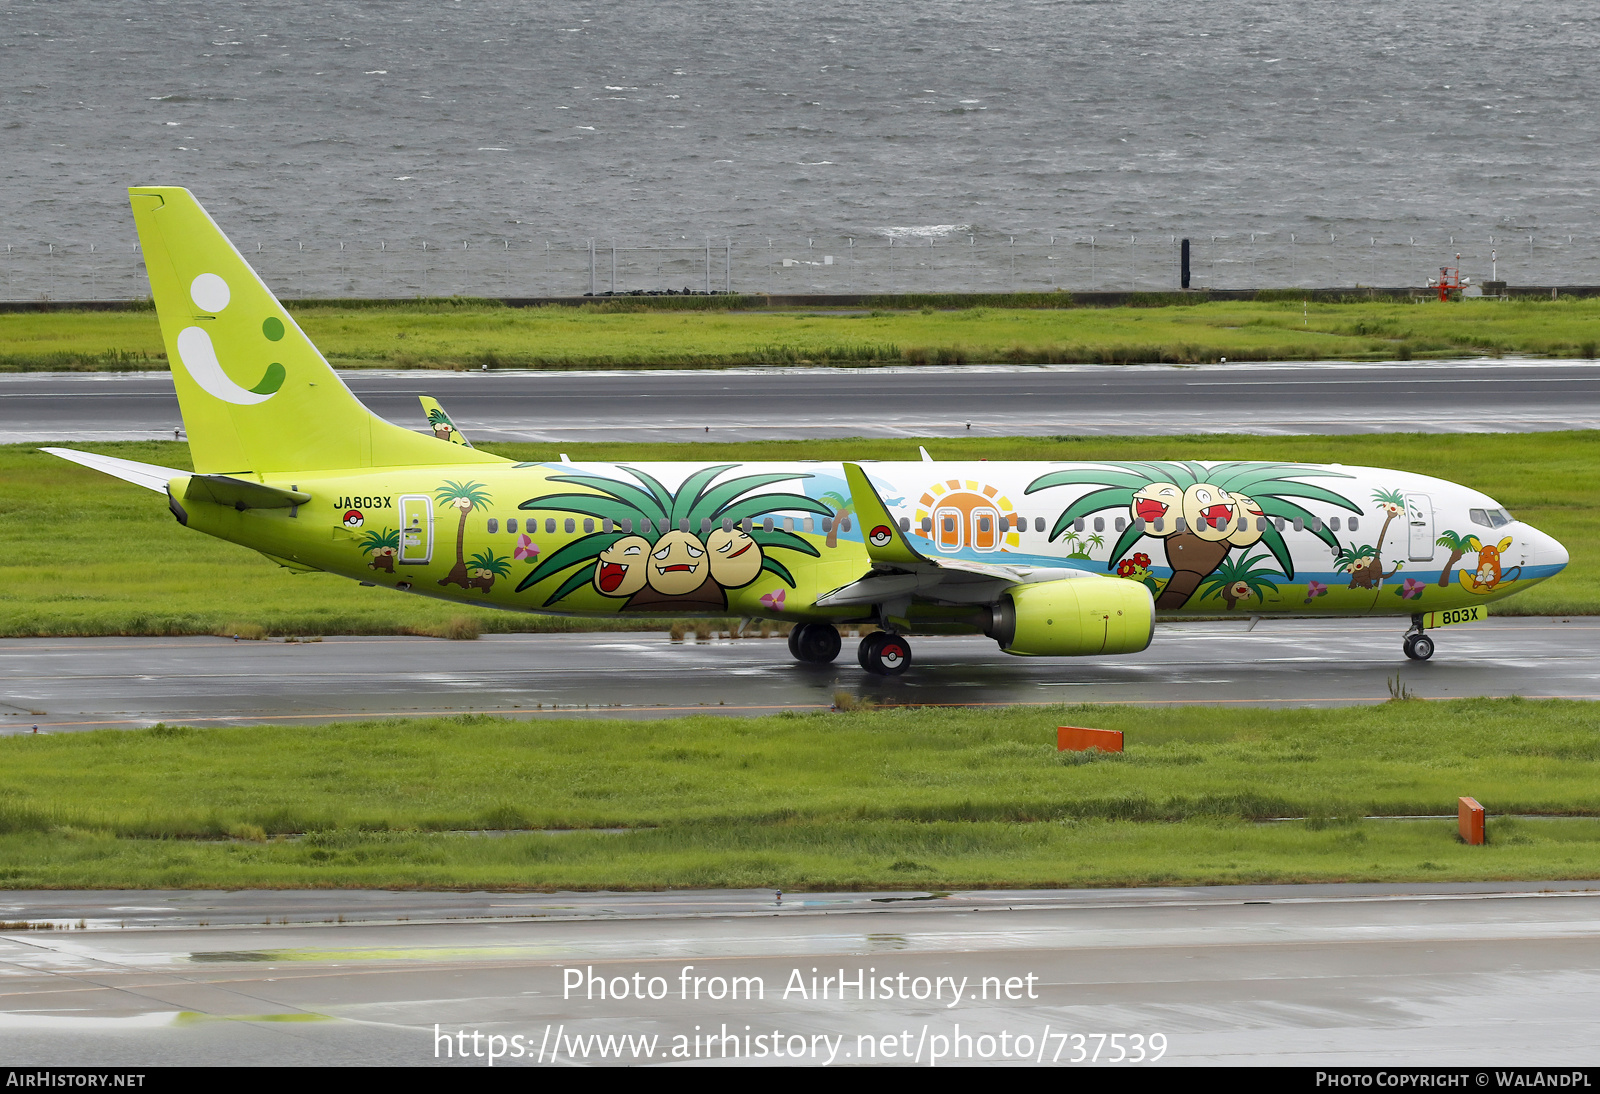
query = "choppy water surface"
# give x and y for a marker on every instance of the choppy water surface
(1022, 128)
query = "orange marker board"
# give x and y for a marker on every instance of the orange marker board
(1471, 819)
(1074, 739)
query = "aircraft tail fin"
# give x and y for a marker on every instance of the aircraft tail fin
(256, 395)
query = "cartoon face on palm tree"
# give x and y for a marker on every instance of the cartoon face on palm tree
(1221, 508)
(383, 546)
(672, 551)
(1239, 579)
(465, 497)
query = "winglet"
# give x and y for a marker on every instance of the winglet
(440, 423)
(883, 537)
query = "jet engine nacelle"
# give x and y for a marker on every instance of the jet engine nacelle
(1074, 617)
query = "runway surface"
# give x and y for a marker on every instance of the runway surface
(757, 404)
(1325, 975)
(92, 683)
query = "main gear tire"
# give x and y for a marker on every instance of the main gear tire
(884, 654)
(814, 643)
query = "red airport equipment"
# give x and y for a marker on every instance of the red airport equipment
(1471, 821)
(1074, 739)
(1449, 282)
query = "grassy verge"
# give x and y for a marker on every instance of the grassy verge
(475, 334)
(891, 799)
(68, 565)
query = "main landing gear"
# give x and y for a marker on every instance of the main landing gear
(1417, 644)
(814, 643)
(880, 653)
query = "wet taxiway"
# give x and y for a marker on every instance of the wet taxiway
(1325, 975)
(984, 400)
(89, 683)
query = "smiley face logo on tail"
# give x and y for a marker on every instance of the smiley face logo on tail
(211, 295)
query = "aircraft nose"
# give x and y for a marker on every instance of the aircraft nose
(1547, 550)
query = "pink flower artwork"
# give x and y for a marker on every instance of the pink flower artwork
(526, 550)
(1314, 589)
(1411, 590)
(773, 601)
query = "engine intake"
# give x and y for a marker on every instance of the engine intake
(1074, 617)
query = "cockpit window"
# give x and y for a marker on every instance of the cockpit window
(1489, 518)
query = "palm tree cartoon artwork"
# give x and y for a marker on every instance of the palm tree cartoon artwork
(464, 496)
(1200, 514)
(841, 507)
(484, 567)
(1241, 579)
(443, 428)
(382, 546)
(1365, 564)
(663, 551)
(1457, 545)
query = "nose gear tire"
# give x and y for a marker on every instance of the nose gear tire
(1418, 647)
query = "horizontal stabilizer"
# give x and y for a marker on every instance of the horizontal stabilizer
(242, 493)
(148, 475)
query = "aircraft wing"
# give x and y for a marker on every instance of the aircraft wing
(148, 475)
(900, 572)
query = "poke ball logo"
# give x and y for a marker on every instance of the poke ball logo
(881, 536)
(353, 519)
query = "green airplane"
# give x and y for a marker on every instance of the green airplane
(1048, 559)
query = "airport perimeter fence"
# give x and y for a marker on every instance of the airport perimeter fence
(941, 260)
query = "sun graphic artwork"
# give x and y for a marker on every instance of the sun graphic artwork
(956, 514)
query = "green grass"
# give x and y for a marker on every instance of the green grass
(889, 798)
(472, 334)
(84, 554)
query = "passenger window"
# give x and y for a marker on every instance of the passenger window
(550, 526)
(1316, 524)
(1119, 524)
(571, 525)
(1099, 524)
(627, 525)
(1333, 523)
(905, 524)
(748, 524)
(1299, 524)
(1038, 524)
(827, 524)
(511, 525)
(1355, 524)
(788, 524)
(766, 525)
(1281, 523)
(927, 525)
(1160, 524)
(1077, 525)
(494, 526)
(727, 524)
(984, 524)
(588, 524)
(844, 522)
(705, 526)
(1179, 524)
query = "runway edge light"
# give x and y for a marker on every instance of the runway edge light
(1470, 815)
(1075, 739)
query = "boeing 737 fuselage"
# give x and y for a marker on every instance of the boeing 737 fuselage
(1046, 558)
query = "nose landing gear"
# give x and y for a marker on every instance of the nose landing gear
(884, 654)
(1417, 644)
